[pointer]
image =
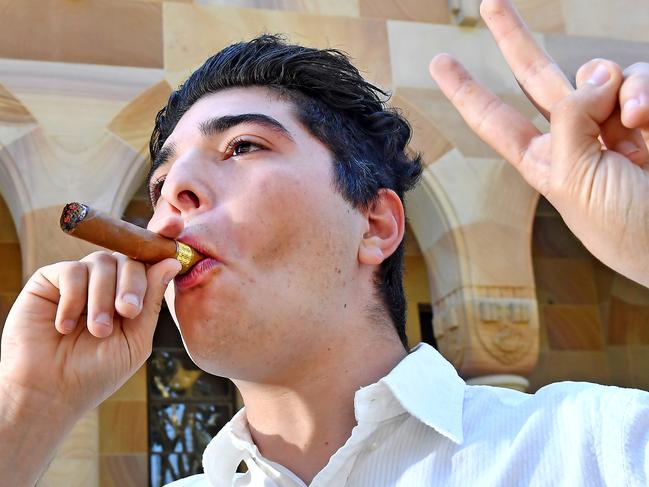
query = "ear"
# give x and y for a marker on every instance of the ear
(384, 227)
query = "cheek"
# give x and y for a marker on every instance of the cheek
(274, 217)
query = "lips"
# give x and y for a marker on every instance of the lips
(200, 272)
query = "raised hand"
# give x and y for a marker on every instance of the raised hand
(591, 165)
(76, 333)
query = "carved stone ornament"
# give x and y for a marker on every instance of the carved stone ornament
(449, 334)
(505, 327)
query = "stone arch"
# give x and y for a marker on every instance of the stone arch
(431, 218)
(472, 218)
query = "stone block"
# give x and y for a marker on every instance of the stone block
(134, 123)
(638, 366)
(565, 281)
(11, 109)
(214, 28)
(449, 124)
(552, 238)
(629, 291)
(6, 302)
(7, 227)
(624, 19)
(413, 45)
(318, 7)
(71, 472)
(628, 323)
(556, 366)
(10, 269)
(123, 470)
(618, 361)
(542, 15)
(426, 138)
(125, 33)
(123, 427)
(135, 388)
(431, 11)
(570, 52)
(604, 278)
(573, 327)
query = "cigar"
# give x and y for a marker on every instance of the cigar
(93, 226)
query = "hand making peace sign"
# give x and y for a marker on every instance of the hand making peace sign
(592, 165)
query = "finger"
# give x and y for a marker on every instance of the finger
(576, 123)
(634, 96)
(615, 135)
(131, 286)
(625, 141)
(73, 289)
(540, 77)
(140, 330)
(499, 125)
(102, 277)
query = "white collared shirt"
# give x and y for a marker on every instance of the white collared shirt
(421, 425)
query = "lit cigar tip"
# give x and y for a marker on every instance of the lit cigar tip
(72, 215)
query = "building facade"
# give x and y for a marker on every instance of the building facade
(514, 298)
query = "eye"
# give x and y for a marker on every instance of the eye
(239, 147)
(155, 189)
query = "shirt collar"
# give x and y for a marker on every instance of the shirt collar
(424, 385)
(228, 448)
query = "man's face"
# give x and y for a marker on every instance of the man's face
(250, 187)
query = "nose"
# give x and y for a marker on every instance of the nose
(183, 195)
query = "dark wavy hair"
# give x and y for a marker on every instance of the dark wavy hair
(332, 100)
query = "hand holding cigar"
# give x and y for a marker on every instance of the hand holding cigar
(118, 235)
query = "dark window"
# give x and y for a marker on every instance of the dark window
(426, 324)
(186, 407)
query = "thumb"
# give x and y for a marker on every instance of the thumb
(140, 329)
(615, 135)
(576, 122)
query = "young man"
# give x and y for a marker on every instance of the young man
(282, 166)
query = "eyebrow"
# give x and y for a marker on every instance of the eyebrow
(218, 125)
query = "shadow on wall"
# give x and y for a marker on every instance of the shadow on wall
(11, 268)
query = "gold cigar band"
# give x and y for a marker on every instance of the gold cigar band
(184, 255)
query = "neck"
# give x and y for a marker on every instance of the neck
(303, 421)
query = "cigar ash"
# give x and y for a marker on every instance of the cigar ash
(72, 215)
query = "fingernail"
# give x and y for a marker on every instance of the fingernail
(644, 98)
(68, 325)
(103, 319)
(600, 76)
(132, 299)
(626, 148)
(634, 103)
(631, 104)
